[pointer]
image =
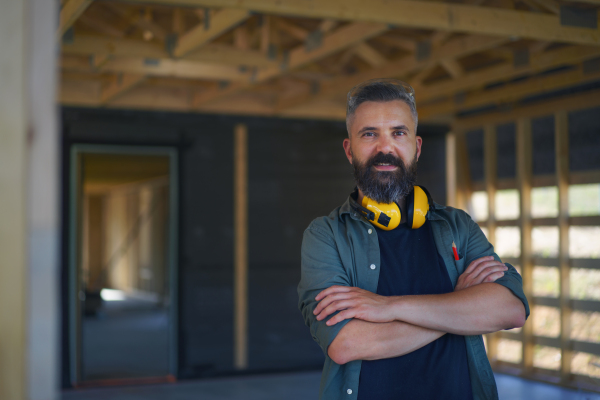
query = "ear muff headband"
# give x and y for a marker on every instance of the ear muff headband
(419, 207)
(387, 216)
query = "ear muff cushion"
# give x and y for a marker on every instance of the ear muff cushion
(410, 201)
(420, 207)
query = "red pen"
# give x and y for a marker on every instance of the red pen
(455, 251)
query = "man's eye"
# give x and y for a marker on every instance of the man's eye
(368, 134)
(400, 133)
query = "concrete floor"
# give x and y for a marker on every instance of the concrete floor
(296, 386)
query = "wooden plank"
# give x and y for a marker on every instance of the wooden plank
(220, 23)
(561, 137)
(490, 157)
(434, 15)
(511, 92)
(241, 246)
(370, 55)
(585, 305)
(551, 59)
(338, 40)
(454, 48)
(568, 103)
(451, 168)
(524, 177)
(453, 67)
(69, 13)
(464, 173)
(160, 67)
(120, 85)
(14, 275)
(212, 53)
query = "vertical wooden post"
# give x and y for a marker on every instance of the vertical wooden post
(451, 166)
(524, 178)
(490, 157)
(29, 207)
(463, 173)
(561, 134)
(240, 194)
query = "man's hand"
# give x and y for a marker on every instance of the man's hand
(354, 303)
(484, 269)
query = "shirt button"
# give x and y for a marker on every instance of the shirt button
(373, 266)
(370, 231)
(349, 391)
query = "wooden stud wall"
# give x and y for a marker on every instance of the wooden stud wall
(524, 183)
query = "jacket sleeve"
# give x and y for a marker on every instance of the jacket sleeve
(321, 268)
(479, 246)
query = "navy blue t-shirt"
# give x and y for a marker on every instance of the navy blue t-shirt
(411, 265)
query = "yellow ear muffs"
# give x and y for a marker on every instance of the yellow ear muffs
(386, 216)
(417, 206)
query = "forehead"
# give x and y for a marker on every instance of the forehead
(392, 112)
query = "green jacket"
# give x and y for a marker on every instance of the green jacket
(339, 250)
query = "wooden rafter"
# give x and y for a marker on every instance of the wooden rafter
(221, 22)
(418, 14)
(120, 85)
(338, 40)
(71, 10)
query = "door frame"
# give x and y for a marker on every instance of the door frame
(75, 223)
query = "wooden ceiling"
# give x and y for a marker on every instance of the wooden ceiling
(299, 58)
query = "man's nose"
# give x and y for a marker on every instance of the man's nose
(384, 145)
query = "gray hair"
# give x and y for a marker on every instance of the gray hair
(380, 90)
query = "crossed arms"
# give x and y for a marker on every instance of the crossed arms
(390, 326)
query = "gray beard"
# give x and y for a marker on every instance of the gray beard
(386, 186)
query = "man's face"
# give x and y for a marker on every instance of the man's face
(383, 148)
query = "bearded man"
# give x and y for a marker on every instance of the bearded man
(399, 313)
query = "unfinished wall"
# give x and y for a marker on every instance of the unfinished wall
(297, 172)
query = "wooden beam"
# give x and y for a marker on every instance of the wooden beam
(370, 55)
(120, 85)
(434, 15)
(454, 48)
(538, 109)
(538, 63)
(291, 29)
(160, 67)
(490, 160)
(69, 13)
(561, 140)
(453, 67)
(240, 214)
(510, 92)
(220, 23)
(524, 178)
(338, 40)
(101, 26)
(213, 53)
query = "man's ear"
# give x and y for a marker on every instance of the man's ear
(348, 149)
(419, 144)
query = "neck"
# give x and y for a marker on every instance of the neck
(401, 203)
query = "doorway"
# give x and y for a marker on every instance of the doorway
(123, 313)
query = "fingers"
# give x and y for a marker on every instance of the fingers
(346, 314)
(485, 269)
(335, 306)
(474, 264)
(331, 290)
(493, 277)
(330, 299)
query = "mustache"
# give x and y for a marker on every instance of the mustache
(381, 158)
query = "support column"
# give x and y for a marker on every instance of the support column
(490, 160)
(451, 167)
(524, 178)
(29, 187)
(240, 194)
(561, 135)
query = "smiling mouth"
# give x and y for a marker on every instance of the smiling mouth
(384, 166)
